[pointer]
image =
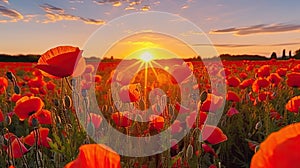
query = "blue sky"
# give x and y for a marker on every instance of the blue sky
(233, 26)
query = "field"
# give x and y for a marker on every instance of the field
(45, 119)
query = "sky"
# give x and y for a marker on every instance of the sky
(228, 26)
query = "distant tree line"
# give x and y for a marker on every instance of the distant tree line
(19, 58)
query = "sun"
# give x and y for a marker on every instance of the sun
(146, 57)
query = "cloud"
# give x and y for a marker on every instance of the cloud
(50, 8)
(257, 29)
(248, 45)
(10, 13)
(5, 1)
(55, 14)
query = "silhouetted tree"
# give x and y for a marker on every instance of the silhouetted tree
(273, 55)
(297, 54)
(284, 57)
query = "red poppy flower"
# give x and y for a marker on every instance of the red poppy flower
(121, 119)
(176, 127)
(263, 96)
(281, 72)
(17, 149)
(293, 79)
(3, 84)
(36, 82)
(191, 119)
(1, 116)
(96, 119)
(208, 149)
(274, 78)
(95, 155)
(15, 97)
(50, 85)
(98, 78)
(232, 96)
(212, 103)
(246, 83)
(296, 68)
(243, 75)
(156, 122)
(280, 149)
(213, 135)
(293, 104)
(260, 83)
(233, 81)
(264, 71)
(129, 93)
(34, 90)
(43, 116)
(232, 111)
(43, 138)
(275, 115)
(212, 166)
(27, 106)
(62, 61)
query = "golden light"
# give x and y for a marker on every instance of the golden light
(146, 57)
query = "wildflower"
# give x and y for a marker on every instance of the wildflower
(15, 97)
(27, 106)
(260, 83)
(3, 84)
(293, 79)
(212, 103)
(95, 155)
(50, 85)
(121, 119)
(293, 104)
(232, 96)
(233, 81)
(246, 83)
(213, 135)
(263, 71)
(280, 149)
(96, 120)
(274, 78)
(62, 61)
(176, 127)
(43, 116)
(17, 148)
(43, 138)
(232, 111)
(191, 119)
(156, 122)
(129, 93)
(281, 72)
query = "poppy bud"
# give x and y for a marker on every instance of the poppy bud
(73, 82)
(84, 92)
(17, 89)
(56, 102)
(10, 76)
(67, 101)
(91, 129)
(203, 96)
(189, 152)
(34, 122)
(7, 120)
(258, 125)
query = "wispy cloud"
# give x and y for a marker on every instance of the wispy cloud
(55, 14)
(50, 8)
(10, 13)
(5, 1)
(257, 29)
(248, 45)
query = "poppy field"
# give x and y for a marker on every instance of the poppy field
(48, 118)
